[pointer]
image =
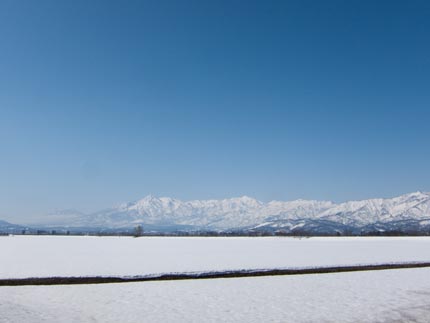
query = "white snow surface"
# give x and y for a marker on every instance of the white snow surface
(47, 256)
(376, 296)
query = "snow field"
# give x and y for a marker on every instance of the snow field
(47, 256)
(375, 296)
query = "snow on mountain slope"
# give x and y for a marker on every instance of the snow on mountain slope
(166, 211)
(410, 206)
(246, 213)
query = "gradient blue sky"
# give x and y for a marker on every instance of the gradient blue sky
(107, 101)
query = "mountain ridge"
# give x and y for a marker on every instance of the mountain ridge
(404, 212)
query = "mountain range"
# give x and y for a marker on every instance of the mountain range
(405, 213)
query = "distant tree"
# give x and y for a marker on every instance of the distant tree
(138, 231)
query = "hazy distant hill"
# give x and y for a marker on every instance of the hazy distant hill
(6, 227)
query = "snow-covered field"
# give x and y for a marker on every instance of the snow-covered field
(45, 256)
(377, 296)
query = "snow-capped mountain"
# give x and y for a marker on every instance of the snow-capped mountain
(410, 211)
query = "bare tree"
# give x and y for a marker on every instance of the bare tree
(138, 231)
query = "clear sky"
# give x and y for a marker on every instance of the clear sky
(107, 101)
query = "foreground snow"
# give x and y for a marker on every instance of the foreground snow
(378, 296)
(46, 256)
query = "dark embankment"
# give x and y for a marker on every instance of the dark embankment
(206, 275)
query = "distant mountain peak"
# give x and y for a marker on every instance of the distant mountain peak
(148, 198)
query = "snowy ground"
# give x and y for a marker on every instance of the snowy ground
(45, 256)
(377, 296)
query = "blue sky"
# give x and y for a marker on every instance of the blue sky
(107, 101)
